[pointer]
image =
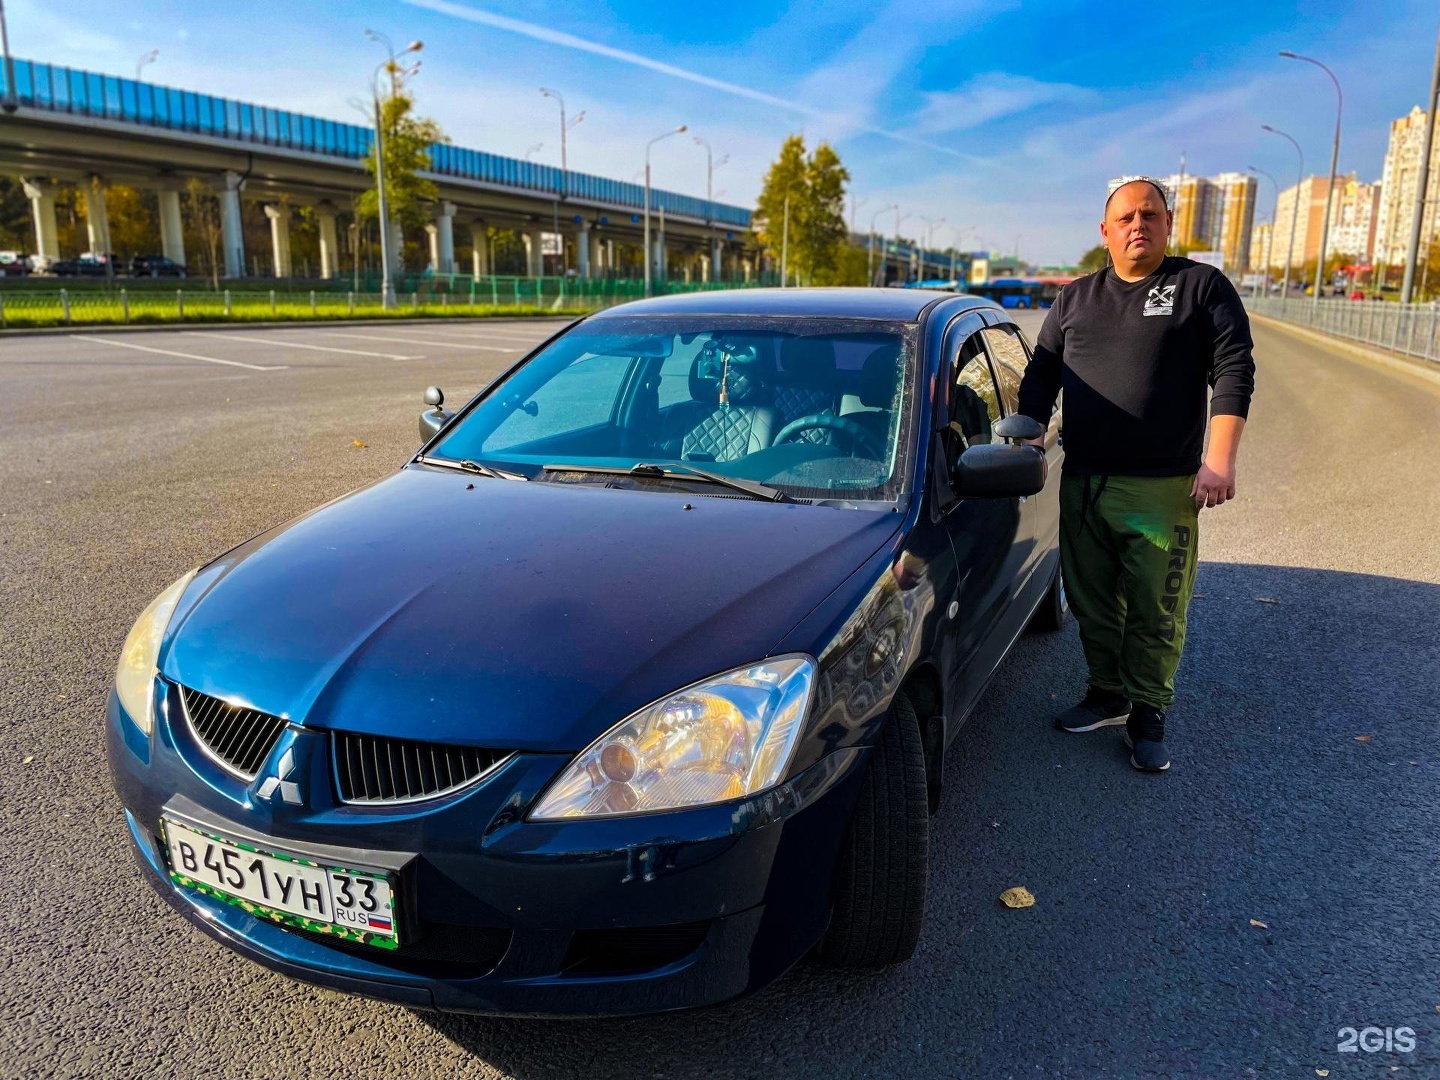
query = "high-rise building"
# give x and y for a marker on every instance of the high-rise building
(1260, 237)
(1195, 203)
(1397, 197)
(1309, 195)
(1354, 216)
(1233, 217)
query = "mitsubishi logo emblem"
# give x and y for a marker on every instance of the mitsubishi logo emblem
(280, 781)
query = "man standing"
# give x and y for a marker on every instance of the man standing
(1134, 347)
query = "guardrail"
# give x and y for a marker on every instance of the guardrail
(460, 296)
(1411, 329)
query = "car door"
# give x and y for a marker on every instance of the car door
(984, 533)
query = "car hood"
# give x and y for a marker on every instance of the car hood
(442, 607)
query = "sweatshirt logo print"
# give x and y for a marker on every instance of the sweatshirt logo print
(1161, 300)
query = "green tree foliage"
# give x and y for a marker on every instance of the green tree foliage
(814, 188)
(17, 228)
(1097, 258)
(850, 266)
(407, 141)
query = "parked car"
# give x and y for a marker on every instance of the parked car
(631, 687)
(87, 265)
(1357, 295)
(13, 264)
(156, 266)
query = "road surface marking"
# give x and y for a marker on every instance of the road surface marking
(298, 345)
(183, 355)
(418, 341)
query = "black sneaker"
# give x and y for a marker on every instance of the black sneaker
(1145, 736)
(1100, 708)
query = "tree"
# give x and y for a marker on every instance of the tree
(1097, 258)
(200, 212)
(407, 143)
(801, 210)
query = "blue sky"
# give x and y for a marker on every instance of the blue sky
(1001, 115)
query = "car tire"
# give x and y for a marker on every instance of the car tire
(878, 905)
(1054, 611)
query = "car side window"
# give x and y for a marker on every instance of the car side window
(1010, 358)
(974, 402)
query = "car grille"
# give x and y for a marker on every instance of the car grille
(239, 738)
(369, 769)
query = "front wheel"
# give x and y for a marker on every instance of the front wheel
(879, 898)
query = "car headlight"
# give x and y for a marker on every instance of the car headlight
(135, 677)
(721, 739)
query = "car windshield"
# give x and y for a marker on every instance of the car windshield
(818, 408)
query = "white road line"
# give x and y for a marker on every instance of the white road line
(418, 341)
(487, 331)
(298, 345)
(183, 355)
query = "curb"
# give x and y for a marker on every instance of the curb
(279, 324)
(1396, 362)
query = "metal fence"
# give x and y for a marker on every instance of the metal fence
(1411, 329)
(457, 296)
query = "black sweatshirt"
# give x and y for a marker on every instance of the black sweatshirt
(1134, 359)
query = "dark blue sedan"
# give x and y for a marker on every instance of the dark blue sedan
(632, 687)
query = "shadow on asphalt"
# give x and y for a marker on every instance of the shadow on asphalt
(1140, 957)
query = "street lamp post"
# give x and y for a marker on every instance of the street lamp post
(710, 167)
(564, 171)
(1422, 182)
(1274, 221)
(674, 131)
(1334, 161)
(898, 219)
(1295, 215)
(387, 283)
(873, 235)
(9, 104)
(149, 58)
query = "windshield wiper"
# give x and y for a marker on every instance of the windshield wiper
(750, 487)
(466, 465)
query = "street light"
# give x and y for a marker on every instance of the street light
(785, 238)
(1295, 216)
(9, 104)
(710, 166)
(1274, 221)
(387, 283)
(149, 58)
(884, 209)
(674, 131)
(1422, 184)
(898, 219)
(533, 150)
(1334, 160)
(930, 225)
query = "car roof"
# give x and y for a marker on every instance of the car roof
(904, 305)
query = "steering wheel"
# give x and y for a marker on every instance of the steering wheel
(860, 438)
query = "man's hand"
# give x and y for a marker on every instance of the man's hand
(1215, 482)
(1213, 487)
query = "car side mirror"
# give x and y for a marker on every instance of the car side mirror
(434, 418)
(991, 471)
(1018, 428)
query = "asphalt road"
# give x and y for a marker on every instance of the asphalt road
(1280, 884)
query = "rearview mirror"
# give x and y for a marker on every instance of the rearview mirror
(434, 418)
(991, 471)
(1019, 428)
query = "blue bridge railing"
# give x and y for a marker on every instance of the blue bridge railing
(110, 97)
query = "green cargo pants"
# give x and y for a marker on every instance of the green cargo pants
(1128, 549)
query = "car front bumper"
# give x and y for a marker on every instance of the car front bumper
(506, 916)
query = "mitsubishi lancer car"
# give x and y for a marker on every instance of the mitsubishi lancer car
(632, 687)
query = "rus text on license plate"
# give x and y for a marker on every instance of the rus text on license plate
(357, 905)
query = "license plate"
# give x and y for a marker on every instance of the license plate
(356, 905)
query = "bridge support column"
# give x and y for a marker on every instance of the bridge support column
(534, 256)
(42, 206)
(717, 270)
(97, 221)
(329, 243)
(610, 257)
(280, 237)
(232, 234)
(442, 240)
(172, 230)
(479, 249)
(582, 249)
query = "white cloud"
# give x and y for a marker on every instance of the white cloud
(991, 97)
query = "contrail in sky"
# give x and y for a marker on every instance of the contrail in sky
(570, 41)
